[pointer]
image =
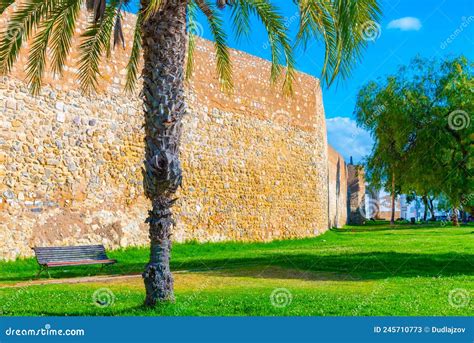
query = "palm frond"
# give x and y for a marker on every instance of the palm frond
(241, 21)
(352, 19)
(153, 7)
(61, 38)
(192, 25)
(22, 22)
(96, 42)
(132, 66)
(317, 21)
(37, 57)
(339, 24)
(281, 49)
(224, 66)
(118, 31)
(58, 20)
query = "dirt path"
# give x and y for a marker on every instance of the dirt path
(74, 280)
(84, 279)
(267, 272)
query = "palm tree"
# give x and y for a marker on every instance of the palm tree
(162, 39)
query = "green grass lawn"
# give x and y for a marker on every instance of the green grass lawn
(358, 270)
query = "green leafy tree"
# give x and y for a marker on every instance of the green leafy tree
(439, 94)
(457, 108)
(380, 110)
(161, 38)
(430, 129)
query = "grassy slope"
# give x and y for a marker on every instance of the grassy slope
(376, 270)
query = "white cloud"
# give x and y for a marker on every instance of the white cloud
(405, 24)
(348, 139)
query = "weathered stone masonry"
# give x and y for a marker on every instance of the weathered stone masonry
(337, 189)
(255, 162)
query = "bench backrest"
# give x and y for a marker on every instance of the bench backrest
(69, 254)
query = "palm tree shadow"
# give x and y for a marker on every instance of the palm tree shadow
(354, 266)
(357, 266)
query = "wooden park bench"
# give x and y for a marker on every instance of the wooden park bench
(51, 257)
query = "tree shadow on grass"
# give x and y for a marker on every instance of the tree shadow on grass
(356, 266)
(359, 266)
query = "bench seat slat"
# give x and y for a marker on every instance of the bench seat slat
(71, 258)
(76, 247)
(68, 258)
(77, 263)
(58, 260)
(70, 253)
(82, 251)
(53, 253)
(73, 253)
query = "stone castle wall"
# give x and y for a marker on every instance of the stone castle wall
(255, 162)
(337, 189)
(356, 194)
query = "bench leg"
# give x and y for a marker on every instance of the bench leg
(39, 273)
(42, 269)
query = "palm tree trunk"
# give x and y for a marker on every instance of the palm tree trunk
(164, 49)
(392, 219)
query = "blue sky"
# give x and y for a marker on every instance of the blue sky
(407, 28)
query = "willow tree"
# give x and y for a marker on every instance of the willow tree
(421, 123)
(165, 44)
(380, 109)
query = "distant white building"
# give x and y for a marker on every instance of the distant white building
(416, 209)
(378, 205)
